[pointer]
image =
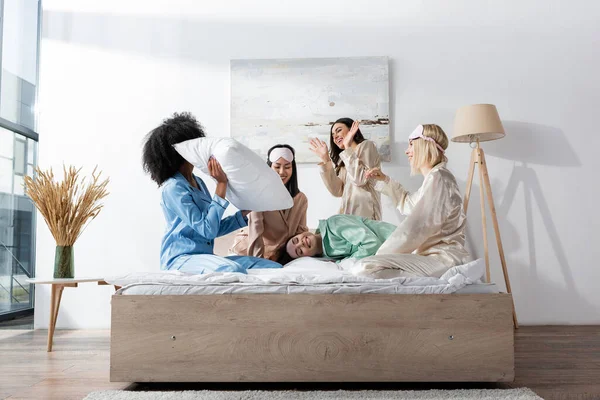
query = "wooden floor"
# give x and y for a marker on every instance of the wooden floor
(556, 362)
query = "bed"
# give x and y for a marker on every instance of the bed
(294, 325)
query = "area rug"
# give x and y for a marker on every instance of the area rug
(471, 394)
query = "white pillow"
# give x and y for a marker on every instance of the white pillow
(252, 184)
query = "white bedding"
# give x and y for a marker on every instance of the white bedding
(305, 275)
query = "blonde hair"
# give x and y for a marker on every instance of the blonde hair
(426, 152)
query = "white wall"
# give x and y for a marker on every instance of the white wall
(110, 70)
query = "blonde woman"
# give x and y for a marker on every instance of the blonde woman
(343, 168)
(268, 231)
(431, 239)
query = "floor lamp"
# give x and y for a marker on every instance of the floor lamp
(474, 124)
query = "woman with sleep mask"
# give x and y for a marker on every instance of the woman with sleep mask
(431, 239)
(268, 231)
(343, 168)
(193, 217)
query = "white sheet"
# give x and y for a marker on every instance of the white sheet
(177, 290)
(304, 275)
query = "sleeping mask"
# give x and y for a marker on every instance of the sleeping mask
(418, 134)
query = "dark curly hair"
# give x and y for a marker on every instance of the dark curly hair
(160, 159)
(334, 150)
(282, 256)
(292, 185)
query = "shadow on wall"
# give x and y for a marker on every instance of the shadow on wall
(527, 143)
(400, 159)
(541, 145)
(547, 302)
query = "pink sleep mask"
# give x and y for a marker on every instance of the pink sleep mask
(418, 134)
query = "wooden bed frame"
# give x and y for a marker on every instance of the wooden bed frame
(312, 338)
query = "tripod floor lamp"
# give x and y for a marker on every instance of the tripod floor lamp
(474, 124)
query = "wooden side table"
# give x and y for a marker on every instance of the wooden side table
(58, 286)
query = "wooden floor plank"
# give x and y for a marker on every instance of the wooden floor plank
(557, 362)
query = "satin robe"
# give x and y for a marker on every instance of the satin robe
(435, 222)
(269, 231)
(352, 236)
(359, 197)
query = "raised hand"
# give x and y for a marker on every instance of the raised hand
(375, 173)
(319, 147)
(350, 136)
(215, 170)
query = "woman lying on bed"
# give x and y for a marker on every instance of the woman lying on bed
(341, 236)
(193, 217)
(431, 239)
(269, 231)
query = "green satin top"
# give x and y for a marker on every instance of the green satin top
(352, 236)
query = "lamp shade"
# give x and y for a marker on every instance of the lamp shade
(477, 122)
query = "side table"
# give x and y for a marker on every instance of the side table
(58, 286)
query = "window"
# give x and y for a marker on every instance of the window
(19, 61)
(20, 31)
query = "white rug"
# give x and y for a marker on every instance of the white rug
(471, 394)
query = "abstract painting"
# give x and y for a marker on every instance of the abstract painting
(293, 100)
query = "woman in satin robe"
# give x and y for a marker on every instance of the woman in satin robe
(343, 168)
(269, 231)
(431, 239)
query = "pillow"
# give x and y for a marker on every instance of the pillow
(252, 184)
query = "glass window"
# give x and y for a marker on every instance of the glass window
(18, 80)
(17, 224)
(19, 35)
(6, 146)
(19, 160)
(6, 174)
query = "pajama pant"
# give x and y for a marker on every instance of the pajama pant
(386, 266)
(204, 263)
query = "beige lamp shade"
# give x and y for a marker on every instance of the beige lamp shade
(477, 122)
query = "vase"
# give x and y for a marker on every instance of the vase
(63, 262)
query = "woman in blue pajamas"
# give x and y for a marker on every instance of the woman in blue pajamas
(194, 218)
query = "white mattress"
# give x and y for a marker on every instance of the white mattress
(166, 289)
(303, 276)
